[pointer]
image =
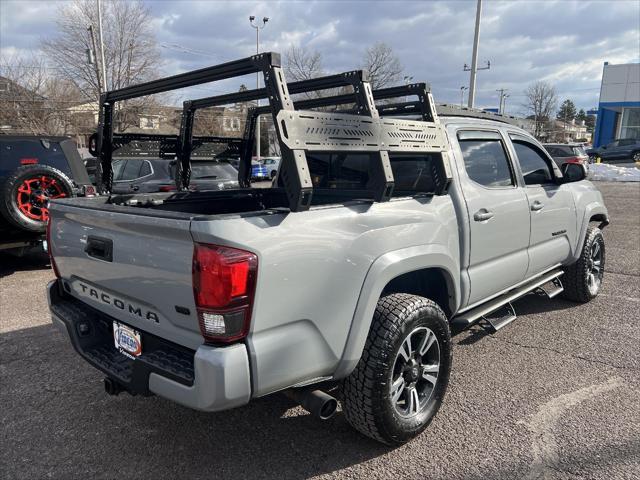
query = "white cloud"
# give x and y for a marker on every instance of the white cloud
(562, 41)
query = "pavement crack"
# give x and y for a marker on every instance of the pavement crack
(560, 352)
(623, 273)
(546, 455)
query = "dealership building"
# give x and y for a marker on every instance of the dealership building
(619, 107)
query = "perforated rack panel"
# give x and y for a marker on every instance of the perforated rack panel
(319, 131)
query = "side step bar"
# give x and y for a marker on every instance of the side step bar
(503, 316)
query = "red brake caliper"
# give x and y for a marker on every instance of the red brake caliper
(33, 195)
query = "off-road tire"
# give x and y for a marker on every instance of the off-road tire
(575, 278)
(366, 401)
(9, 207)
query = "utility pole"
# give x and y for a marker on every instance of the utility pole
(93, 57)
(474, 59)
(503, 98)
(258, 28)
(462, 89)
(104, 68)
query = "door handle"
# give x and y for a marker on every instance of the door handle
(482, 215)
(535, 206)
(100, 248)
(135, 188)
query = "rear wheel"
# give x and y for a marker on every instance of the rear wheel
(583, 279)
(26, 193)
(401, 379)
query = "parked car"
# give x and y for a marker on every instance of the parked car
(567, 153)
(259, 171)
(148, 175)
(272, 164)
(341, 276)
(34, 170)
(620, 150)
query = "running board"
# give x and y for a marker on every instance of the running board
(501, 317)
(552, 289)
(472, 316)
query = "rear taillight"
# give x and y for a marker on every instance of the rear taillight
(224, 281)
(167, 188)
(573, 160)
(54, 267)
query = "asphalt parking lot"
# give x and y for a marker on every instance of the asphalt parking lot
(556, 395)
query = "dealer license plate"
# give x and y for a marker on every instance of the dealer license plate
(127, 340)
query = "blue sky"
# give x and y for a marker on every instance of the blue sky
(564, 42)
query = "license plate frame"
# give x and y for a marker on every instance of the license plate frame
(127, 340)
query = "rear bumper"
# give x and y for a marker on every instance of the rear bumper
(209, 379)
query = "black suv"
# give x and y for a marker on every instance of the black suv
(33, 170)
(619, 150)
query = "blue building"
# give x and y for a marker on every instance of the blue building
(619, 107)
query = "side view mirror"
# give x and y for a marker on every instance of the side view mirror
(573, 172)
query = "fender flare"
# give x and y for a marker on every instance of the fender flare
(384, 269)
(593, 208)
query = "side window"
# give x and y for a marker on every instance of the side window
(554, 151)
(131, 170)
(117, 167)
(535, 168)
(486, 162)
(145, 169)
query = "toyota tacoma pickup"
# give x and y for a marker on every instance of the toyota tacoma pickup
(380, 236)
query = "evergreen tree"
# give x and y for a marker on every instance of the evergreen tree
(567, 111)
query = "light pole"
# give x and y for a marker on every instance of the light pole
(462, 89)
(407, 80)
(258, 27)
(503, 98)
(104, 68)
(474, 59)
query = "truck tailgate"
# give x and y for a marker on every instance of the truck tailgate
(134, 268)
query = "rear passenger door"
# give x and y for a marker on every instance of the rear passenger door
(551, 206)
(498, 214)
(128, 176)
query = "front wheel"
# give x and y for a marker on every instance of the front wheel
(583, 279)
(399, 383)
(636, 157)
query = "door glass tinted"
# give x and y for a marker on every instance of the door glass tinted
(117, 167)
(535, 168)
(213, 171)
(486, 162)
(131, 170)
(145, 169)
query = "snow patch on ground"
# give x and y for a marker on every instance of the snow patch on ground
(610, 173)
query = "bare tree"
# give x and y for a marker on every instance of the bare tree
(383, 65)
(302, 63)
(541, 102)
(32, 101)
(131, 53)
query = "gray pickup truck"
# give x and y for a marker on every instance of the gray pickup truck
(380, 236)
